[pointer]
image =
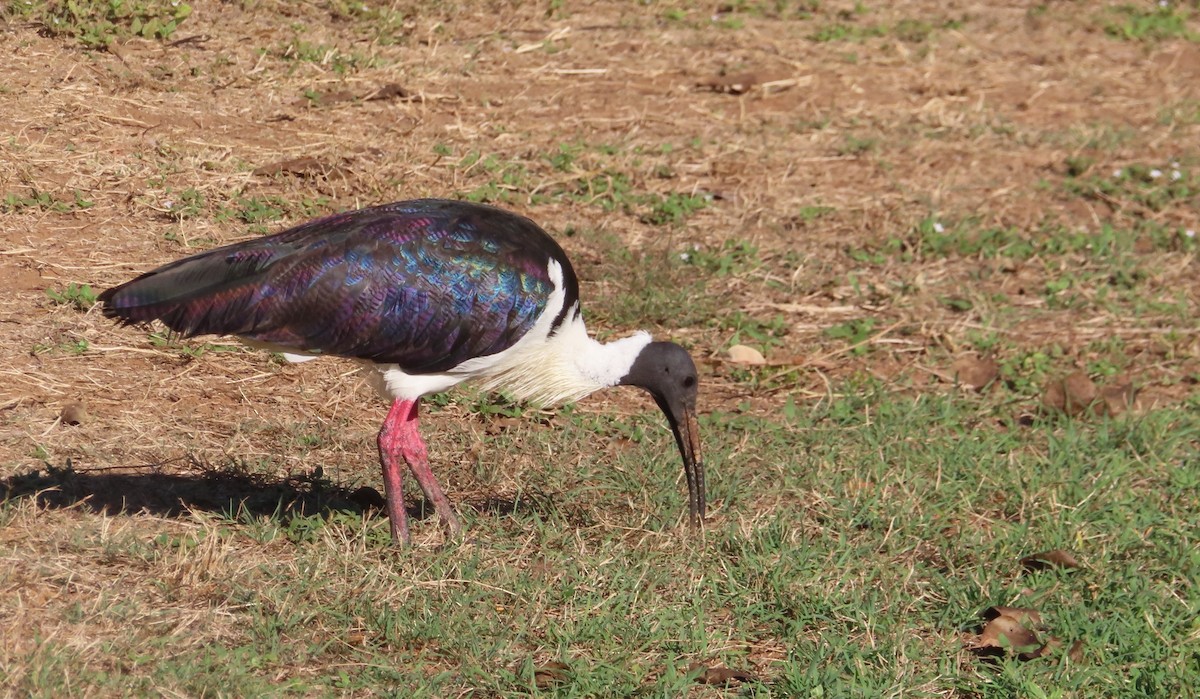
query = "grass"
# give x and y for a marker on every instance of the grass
(847, 557)
(1165, 21)
(43, 201)
(79, 296)
(97, 23)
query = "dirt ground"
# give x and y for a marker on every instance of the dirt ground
(823, 157)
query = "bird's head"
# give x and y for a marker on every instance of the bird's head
(667, 371)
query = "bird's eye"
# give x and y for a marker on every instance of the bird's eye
(689, 381)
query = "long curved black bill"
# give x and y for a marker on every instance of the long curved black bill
(687, 436)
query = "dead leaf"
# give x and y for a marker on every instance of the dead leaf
(1056, 558)
(1075, 653)
(550, 674)
(743, 354)
(1073, 394)
(305, 166)
(1118, 398)
(1023, 615)
(73, 413)
(720, 675)
(1005, 633)
(975, 372)
(1007, 630)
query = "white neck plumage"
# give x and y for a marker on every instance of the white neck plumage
(566, 366)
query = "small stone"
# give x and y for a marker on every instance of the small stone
(73, 413)
(742, 354)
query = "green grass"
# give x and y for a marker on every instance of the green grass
(79, 296)
(37, 200)
(97, 23)
(1151, 22)
(606, 176)
(851, 551)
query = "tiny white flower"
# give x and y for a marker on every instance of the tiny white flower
(685, 256)
(1117, 172)
(1175, 174)
(1190, 233)
(938, 227)
(1155, 174)
(168, 204)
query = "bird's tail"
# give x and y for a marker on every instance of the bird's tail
(214, 292)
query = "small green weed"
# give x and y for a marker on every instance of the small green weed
(857, 145)
(564, 158)
(855, 332)
(170, 341)
(253, 210)
(260, 211)
(341, 63)
(97, 23)
(731, 258)
(80, 346)
(44, 201)
(1167, 21)
(1185, 112)
(674, 14)
(80, 296)
(808, 214)
(1151, 187)
(1026, 371)
(186, 204)
(747, 329)
(839, 31)
(674, 208)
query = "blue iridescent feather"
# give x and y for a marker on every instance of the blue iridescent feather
(425, 284)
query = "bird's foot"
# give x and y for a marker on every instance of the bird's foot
(453, 527)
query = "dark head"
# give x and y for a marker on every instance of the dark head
(667, 371)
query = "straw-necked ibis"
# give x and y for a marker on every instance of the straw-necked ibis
(425, 295)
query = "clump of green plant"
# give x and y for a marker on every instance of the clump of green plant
(260, 211)
(1154, 187)
(1138, 23)
(97, 23)
(43, 201)
(169, 340)
(74, 347)
(855, 332)
(341, 63)
(674, 208)
(80, 296)
(732, 257)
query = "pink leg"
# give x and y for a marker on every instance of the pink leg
(399, 437)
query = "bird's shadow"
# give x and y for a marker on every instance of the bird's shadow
(229, 491)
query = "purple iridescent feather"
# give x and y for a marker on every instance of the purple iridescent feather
(424, 284)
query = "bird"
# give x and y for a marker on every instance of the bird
(424, 295)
